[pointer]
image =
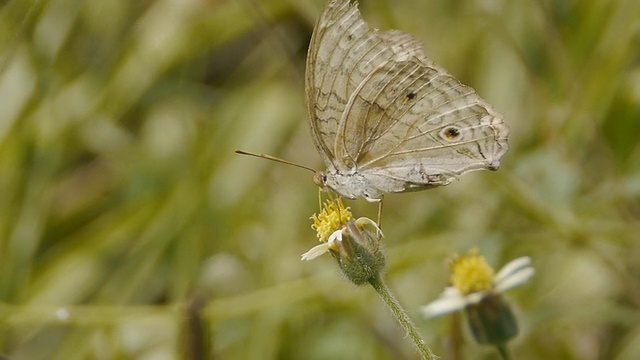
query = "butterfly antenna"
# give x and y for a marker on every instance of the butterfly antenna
(273, 158)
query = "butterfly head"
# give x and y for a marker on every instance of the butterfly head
(320, 179)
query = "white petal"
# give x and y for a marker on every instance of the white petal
(475, 297)
(514, 279)
(315, 252)
(366, 221)
(511, 267)
(451, 300)
(336, 236)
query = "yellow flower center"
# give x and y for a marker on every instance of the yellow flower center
(334, 216)
(471, 273)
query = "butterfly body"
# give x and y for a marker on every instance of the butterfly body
(385, 118)
(373, 186)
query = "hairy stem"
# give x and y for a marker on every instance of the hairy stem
(402, 317)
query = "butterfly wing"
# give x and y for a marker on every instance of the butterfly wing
(379, 108)
(343, 51)
(422, 128)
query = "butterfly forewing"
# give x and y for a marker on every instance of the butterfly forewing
(343, 53)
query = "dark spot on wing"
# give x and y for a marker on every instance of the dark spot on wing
(452, 133)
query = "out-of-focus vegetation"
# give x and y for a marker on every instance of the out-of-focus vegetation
(130, 230)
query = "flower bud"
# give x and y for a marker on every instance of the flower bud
(359, 253)
(491, 320)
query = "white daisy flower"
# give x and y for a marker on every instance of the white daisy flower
(355, 246)
(473, 280)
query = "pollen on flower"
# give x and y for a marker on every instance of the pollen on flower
(334, 216)
(471, 273)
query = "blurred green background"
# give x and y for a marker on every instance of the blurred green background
(130, 230)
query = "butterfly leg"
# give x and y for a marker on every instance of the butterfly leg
(380, 218)
(330, 194)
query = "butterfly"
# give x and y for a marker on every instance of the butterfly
(384, 117)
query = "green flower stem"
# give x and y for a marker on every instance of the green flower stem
(504, 355)
(402, 317)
